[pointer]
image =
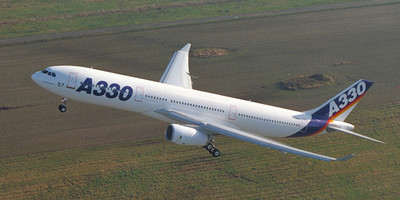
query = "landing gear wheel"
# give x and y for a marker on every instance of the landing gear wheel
(62, 108)
(209, 146)
(216, 153)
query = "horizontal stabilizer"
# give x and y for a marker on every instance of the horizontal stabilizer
(353, 133)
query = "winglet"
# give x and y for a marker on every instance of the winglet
(186, 48)
(177, 71)
(345, 158)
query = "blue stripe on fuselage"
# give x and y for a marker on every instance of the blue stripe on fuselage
(314, 127)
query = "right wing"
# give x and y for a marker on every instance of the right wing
(241, 135)
(177, 71)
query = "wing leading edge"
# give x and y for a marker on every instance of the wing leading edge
(177, 71)
(241, 135)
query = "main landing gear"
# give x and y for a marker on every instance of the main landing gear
(62, 107)
(211, 148)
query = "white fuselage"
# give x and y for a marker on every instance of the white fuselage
(144, 96)
(203, 114)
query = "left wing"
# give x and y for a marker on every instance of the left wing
(177, 71)
(241, 135)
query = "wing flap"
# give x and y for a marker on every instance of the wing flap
(177, 71)
(241, 135)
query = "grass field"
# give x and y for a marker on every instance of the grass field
(154, 169)
(27, 18)
(94, 152)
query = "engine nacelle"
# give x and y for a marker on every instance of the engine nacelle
(184, 135)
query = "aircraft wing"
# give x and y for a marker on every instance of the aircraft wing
(241, 135)
(177, 71)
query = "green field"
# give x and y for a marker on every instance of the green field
(100, 153)
(28, 18)
(155, 169)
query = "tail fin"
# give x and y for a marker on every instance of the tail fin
(340, 106)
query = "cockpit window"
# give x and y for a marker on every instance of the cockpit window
(49, 73)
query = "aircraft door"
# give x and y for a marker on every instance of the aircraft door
(232, 113)
(72, 80)
(139, 94)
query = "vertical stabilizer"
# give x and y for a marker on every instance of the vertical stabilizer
(340, 106)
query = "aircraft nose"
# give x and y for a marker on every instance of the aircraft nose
(35, 77)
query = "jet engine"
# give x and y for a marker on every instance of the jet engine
(184, 135)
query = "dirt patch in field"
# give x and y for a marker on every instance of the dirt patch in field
(209, 52)
(306, 82)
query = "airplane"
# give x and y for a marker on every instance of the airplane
(197, 117)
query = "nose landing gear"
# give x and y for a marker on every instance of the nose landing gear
(62, 107)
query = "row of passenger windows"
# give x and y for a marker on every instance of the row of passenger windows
(185, 103)
(156, 98)
(198, 106)
(49, 73)
(268, 120)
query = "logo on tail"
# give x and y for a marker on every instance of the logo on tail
(347, 97)
(342, 104)
(330, 116)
